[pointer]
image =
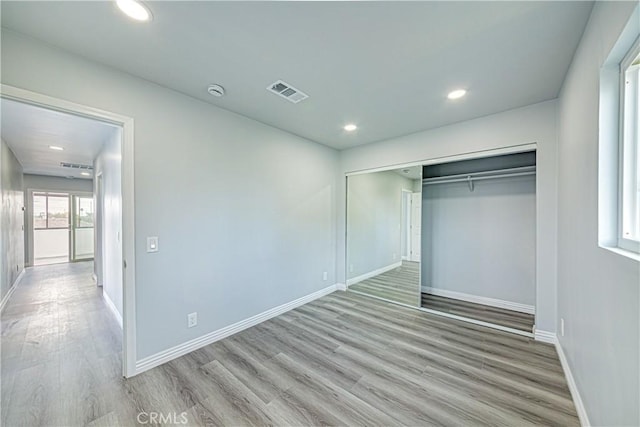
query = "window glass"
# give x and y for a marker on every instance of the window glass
(630, 165)
(39, 211)
(84, 212)
(58, 212)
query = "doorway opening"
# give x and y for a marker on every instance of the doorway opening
(72, 212)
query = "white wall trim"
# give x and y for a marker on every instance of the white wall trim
(341, 287)
(573, 387)
(373, 273)
(12, 289)
(196, 343)
(519, 148)
(551, 338)
(545, 336)
(493, 302)
(112, 308)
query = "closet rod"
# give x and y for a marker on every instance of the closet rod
(501, 173)
(478, 178)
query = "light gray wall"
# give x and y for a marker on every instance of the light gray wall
(108, 163)
(11, 219)
(481, 243)
(56, 183)
(245, 213)
(374, 220)
(598, 291)
(535, 123)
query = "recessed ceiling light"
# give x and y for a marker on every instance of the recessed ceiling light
(456, 94)
(85, 174)
(350, 127)
(134, 9)
(55, 147)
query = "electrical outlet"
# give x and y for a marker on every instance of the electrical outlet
(561, 326)
(324, 276)
(192, 319)
(350, 268)
(394, 255)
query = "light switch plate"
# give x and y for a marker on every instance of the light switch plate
(152, 244)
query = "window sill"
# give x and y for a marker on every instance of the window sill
(625, 253)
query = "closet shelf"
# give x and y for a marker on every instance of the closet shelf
(478, 176)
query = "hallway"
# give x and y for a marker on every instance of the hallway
(61, 346)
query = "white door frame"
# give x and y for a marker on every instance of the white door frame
(128, 207)
(406, 220)
(98, 236)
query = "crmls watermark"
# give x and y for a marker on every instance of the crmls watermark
(162, 418)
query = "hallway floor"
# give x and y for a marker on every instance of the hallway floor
(343, 359)
(60, 346)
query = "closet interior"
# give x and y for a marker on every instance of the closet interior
(454, 238)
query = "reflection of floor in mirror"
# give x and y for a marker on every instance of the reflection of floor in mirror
(400, 284)
(485, 313)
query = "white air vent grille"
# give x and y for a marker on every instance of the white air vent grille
(287, 91)
(76, 166)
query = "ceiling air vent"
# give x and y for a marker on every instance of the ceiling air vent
(76, 166)
(287, 91)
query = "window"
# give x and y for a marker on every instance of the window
(50, 211)
(629, 168)
(84, 212)
(618, 145)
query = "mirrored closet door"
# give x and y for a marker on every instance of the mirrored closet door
(479, 239)
(384, 220)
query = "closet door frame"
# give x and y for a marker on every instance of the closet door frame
(521, 148)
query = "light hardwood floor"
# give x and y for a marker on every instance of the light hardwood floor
(344, 359)
(402, 284)
(498, 316)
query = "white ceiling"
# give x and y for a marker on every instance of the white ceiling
(411, 172)
(30, 130)
(386, 66)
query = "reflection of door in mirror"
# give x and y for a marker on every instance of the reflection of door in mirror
(383, 234)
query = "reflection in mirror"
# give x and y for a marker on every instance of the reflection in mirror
(383, 234)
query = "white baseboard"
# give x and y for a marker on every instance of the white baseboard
(12, 289)
(552, 338)
(112, 308)
(341, 287)
(373, 273)
(545, 336)
(194, 344)
(573, 388)
(493, 302)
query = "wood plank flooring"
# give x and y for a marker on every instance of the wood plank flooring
(344, 359)
(402, 284)
(498, 316)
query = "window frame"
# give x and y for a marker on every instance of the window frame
(46, 195)
(623, 242)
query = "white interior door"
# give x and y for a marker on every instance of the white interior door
(416, 225)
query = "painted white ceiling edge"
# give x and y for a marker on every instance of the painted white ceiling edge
(410, 172)
(29, 130)
(385, 66)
